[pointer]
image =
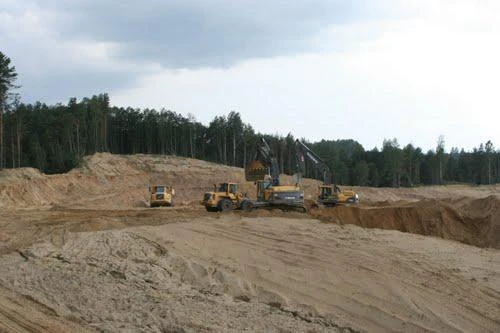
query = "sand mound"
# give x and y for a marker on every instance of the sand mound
(118, 280)
(7, 175)
(388, 196)
(119, 181)
(114, 181)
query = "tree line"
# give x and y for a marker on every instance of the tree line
(54, 139)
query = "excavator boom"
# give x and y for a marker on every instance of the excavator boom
(302, 152)
(329, 194)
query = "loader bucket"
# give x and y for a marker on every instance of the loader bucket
(255, 171)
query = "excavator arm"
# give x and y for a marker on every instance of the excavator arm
(302, 151)
(329, 194)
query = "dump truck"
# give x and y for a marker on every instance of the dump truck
(161, 195)
(224, 198)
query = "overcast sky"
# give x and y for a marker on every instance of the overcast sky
(333, 69)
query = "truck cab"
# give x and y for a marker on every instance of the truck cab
(161, 195)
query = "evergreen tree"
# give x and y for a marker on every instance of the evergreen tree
(55, 138)
(8, 76)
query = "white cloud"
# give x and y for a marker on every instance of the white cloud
(429, 68)
(412, 79)
(52, 69)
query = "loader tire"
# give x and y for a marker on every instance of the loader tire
(246, 205)
(225, 205)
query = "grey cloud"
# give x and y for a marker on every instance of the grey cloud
(197, 33)
(57, 86)
(49, 70)
(175, 34)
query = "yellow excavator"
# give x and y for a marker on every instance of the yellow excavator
(264, 171)
(329, 194)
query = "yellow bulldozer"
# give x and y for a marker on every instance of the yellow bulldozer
(161, 195)
(225, 198)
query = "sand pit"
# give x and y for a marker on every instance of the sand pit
(468, 214)
(83, 253)
(472, 221)
(230, 273)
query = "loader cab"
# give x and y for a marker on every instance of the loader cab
(222, 187)
(233, 188)
(228, 188)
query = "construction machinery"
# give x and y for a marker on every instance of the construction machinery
(264, 171)
(328, 194)
(224, 198)
(161, 195)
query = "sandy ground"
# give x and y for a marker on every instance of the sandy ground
(81, 252)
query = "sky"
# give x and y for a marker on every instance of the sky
(335, 69)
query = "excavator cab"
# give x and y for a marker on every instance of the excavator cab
(327, 195)
(265, 172)
(325, 191)
(263, 189)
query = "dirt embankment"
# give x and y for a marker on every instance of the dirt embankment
(113, 181)
(471, 221)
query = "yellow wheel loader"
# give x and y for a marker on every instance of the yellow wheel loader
(225, 198)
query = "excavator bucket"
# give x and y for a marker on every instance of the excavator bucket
(255, 171)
